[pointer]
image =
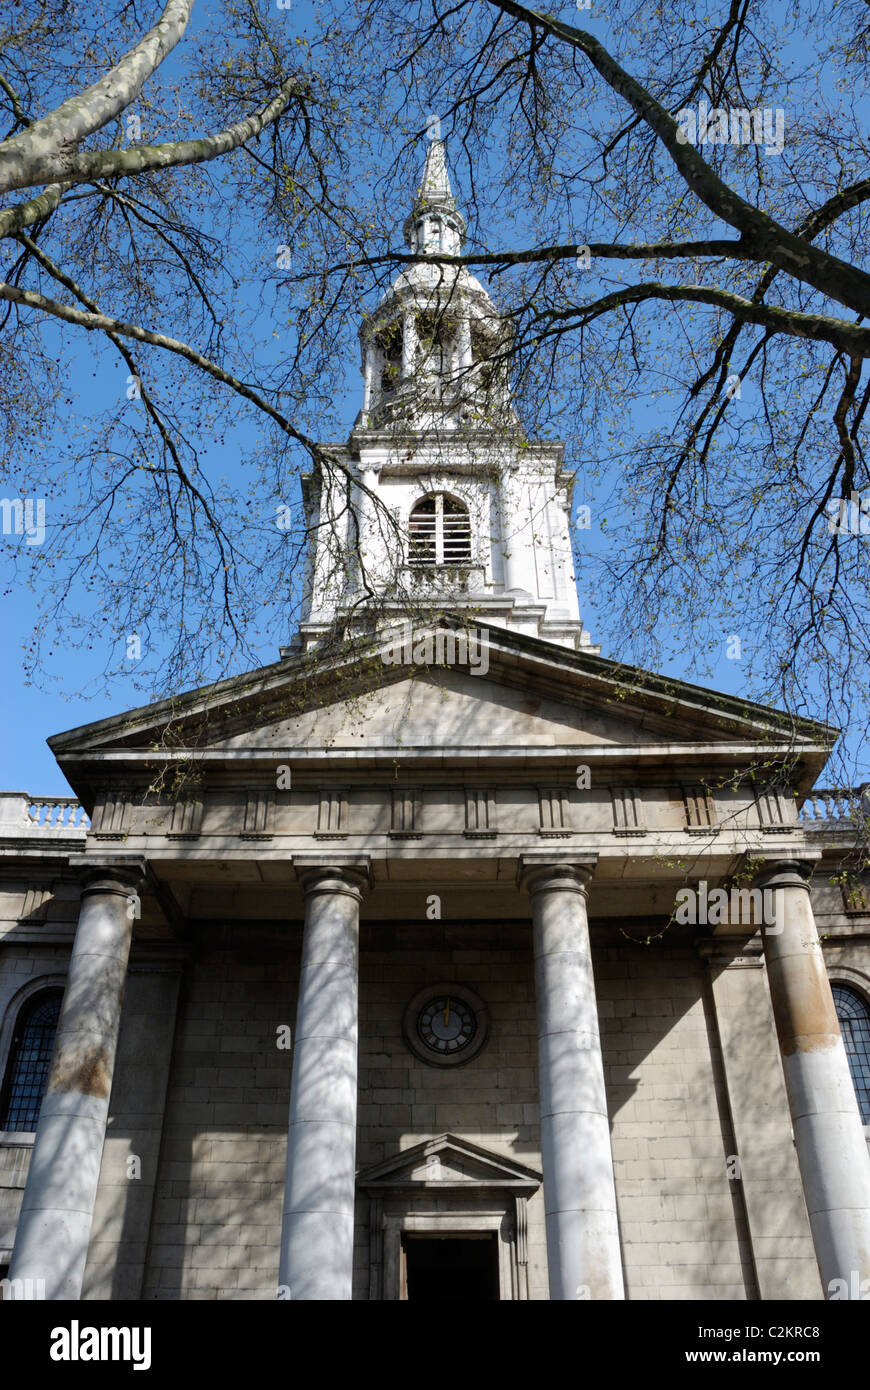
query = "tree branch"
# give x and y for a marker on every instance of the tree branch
(106, 324)
(139, 159)
(22, 215)
(848, 337)
(767, 238)
(35, 155)
(607, 250)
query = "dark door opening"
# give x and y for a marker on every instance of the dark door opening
(454, 1269)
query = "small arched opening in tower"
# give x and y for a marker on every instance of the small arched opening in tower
(439, 531)
(389, 342)
(437, 343)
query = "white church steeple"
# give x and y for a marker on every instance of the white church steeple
(435, 224)
(434, 350)
(455, 509)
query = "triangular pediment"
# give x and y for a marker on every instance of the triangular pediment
(449, 1162)
(511, 693)
(444, 707)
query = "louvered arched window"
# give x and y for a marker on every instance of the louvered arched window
(439, 532)
(29, 1061)
(854, 1016)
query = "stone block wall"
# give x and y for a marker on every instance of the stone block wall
(219, 1188)
(220, 1180)
(492, 1101)
(682, 1223)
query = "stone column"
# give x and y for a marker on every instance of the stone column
(317, 1234)
(367, 565)
(56, 1214)
(583, 1253)
(409, 343)
(829, 1138)
(514, 537)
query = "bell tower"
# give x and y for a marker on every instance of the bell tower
(433, 351)
(454, 508)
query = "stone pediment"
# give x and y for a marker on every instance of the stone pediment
(448, 707)
(447, 1162)
(512, 694)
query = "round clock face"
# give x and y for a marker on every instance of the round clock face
(446, 1025)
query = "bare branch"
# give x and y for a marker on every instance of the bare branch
(848, 337)
(140, 159)
(35, 155)
(769, 240)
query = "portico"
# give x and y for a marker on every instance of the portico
(582, 1231)
(343, 894)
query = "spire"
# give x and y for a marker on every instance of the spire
(435, 223)
(435, 183)
(430, 351)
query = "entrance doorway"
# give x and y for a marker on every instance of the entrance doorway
(450, 1269)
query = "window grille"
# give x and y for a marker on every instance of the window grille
(29, 1061)
(854, 1016)
(439, 532)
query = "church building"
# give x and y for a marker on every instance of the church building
(446, 958)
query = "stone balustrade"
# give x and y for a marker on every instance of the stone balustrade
(23, 815)
(443, 579)
(826, 805)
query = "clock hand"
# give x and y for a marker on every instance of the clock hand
(447, 1015)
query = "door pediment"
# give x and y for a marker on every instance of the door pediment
(447, 1162)
(447, 1187)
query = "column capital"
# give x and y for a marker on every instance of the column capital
(542, 870)
(112, 873)
(786, 872)
(338, 873)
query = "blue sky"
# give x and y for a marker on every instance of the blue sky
(30, 714)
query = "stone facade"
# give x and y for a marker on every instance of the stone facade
(423, 985)
(201, 1089)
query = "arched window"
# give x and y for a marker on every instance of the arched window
(439, 532)
(29, 1061)
(436, 338)
(854, 1016)
(390, 344)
